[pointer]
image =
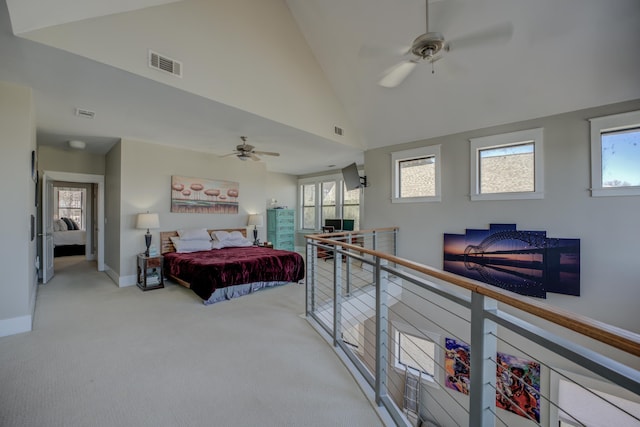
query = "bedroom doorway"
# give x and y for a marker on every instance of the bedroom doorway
(96, 217)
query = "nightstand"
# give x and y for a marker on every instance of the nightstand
(150, 272)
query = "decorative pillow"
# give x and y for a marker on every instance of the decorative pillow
(68, 222)
(231, 243)
(187, 246)
(62, 226)
(194, 234)
(75, 224)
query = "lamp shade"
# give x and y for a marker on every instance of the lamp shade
(148, 221)
(255, 220)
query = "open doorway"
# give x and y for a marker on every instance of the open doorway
(72, 214)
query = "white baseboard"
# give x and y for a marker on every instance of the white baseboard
(15, 325)
(121, 281)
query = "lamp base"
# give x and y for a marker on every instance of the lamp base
(147, 241)
(255, 236)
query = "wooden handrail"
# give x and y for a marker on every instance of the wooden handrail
(613, 336)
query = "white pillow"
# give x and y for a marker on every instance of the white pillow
(220, 235)
(231, 243)
(194, 234)
(187, 246)
(56, 226)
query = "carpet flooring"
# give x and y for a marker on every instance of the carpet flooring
(100, 355)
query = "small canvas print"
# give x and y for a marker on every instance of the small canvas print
(521, 261)
(199, 195)
(518, 386)
(517, 379)
(457, 365)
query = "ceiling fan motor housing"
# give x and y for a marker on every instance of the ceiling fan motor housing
(427, 45)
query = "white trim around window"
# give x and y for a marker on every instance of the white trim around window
(399, 328)
(505, 140)
(432, 151)
(600, 125)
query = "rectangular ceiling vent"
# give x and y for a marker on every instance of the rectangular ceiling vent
(337, 130)
(163, 63)
(88, 114)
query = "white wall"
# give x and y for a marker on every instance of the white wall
(75, 161)
(18, 283)
(607, 226)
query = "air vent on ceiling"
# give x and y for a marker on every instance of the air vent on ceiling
(88, 114)
(337, 130)
(162, 63)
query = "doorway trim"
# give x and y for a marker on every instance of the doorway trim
(86, 179)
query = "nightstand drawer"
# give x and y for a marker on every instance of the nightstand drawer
(154, 262)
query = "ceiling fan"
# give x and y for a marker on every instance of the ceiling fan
(246, 151)
(430, 47)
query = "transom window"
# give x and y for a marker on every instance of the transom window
(615, 155)
(507, 166)
(416, 175)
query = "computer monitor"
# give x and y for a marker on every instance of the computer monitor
(340, 224)
(347, 224)
(335, 223)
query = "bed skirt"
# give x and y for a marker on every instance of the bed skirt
(68, 250)
(235, 291)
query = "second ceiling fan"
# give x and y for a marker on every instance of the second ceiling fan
(246, 151)
(430, 46)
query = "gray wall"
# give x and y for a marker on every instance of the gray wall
(18, 283)
(112, 181)
(607, 226)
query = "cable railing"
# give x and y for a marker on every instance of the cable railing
(438, 349)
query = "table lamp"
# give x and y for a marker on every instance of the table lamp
(148, 221)
(256, 221)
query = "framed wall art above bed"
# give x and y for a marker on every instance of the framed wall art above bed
(200, 195)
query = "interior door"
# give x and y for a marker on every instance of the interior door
(47, 229)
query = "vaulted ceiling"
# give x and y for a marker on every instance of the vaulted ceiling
(286, 73)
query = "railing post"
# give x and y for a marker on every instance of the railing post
(311, 277)
(382, 333)
(482, 392)
(348, 268)
(337, 295)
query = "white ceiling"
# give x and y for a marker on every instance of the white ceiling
(563, 55)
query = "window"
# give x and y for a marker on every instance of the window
(415, 351)
(508, 166)
(308, 198)
(416, 175)
(332, 201)
(615, 155)
(71, 204)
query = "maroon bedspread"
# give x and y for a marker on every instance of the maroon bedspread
(207, 271)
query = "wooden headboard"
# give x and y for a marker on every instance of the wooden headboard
(166, 245)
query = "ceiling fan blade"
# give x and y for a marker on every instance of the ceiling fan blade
(228, 155)
(499, 33)
(266, 153)
(254, 157)
(396, 74)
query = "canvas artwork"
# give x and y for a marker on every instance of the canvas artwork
(517, 379)
(522, 261)
(198, 195)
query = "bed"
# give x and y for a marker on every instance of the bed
(68, 240)
(221, 274)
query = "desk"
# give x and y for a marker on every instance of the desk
(328, 254)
